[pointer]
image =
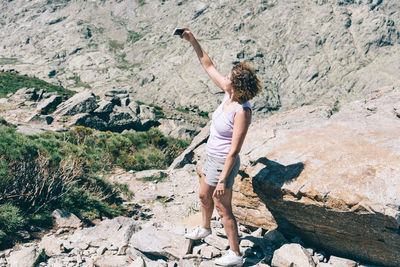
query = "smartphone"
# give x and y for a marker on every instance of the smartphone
(178, 31)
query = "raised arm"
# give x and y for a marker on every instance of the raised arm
(220, 80)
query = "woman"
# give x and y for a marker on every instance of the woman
(229, 126)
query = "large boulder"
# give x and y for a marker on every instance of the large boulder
(24, 94)
(94, 121)
(292, 255)
(47, 105)
(83, 102)
(65, 219)
(329, 176)
(177, 128)
(117, 232)
(122, 118)
(24, 257)
(160, 243)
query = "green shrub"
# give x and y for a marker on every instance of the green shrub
(183, 110)
(11, 220)
(11, 82)
(42, 172)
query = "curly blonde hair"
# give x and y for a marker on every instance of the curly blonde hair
(245, 82)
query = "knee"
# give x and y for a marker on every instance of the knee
(205, 200)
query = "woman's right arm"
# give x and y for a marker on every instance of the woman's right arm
(220, 80)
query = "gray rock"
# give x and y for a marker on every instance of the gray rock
(104, 106)
(51, 245)
(115, 232)
(122, 118)
(160, 243)
(146, 113)
(295, 176)
(216, 241)
(37, 118)
(247, 243)
(88, 120)
(48, 104)
(125, 101)
(65, 219)
(24, 94)
(83, 102)
(292, 255)
(341, 262)
(111, 261)
(209, 252)
(24, 257)
(177, 128)
(134, 107)
(48, 95)
(257, 233)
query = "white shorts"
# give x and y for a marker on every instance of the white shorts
(213, 167)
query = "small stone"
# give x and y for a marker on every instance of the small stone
(65, 219)
(26, 256)
(257, 233)
(310, 251)
(82, 245)
(292, 255)
(210, 252)
(111, 261)
(51, 245)
(247, 243)
(341, 262)
(218, 242)
(319, 256)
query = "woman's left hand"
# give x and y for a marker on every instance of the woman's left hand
(219, 190)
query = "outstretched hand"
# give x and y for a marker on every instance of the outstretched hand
(187, 34)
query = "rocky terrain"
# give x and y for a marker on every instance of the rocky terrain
(314, 189)
(318, 184)
(35, 111)
(324, 51)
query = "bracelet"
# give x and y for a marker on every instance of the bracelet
(221, 181)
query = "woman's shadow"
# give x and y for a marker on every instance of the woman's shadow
(268, 178)
(276, 173)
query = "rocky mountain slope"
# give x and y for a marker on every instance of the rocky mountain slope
(323, 51)
(330, 179)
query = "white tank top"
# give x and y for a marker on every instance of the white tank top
(221, 130)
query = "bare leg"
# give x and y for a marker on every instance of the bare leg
(223, 205)
(207, 203)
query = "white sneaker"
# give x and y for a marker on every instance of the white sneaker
(198, 233)
(230, 259)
